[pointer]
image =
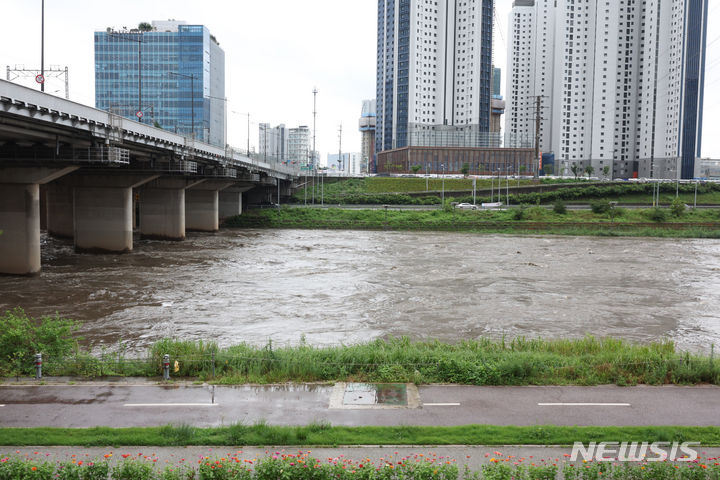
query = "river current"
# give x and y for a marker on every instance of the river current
(331, 287)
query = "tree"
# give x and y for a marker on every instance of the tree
(589, 170)
(606, 171)
(465, 169)
(575, 170)
(548, 169)
(415, 169)
(145, 27)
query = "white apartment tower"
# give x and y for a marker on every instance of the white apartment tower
(621, 82)
(434, 66)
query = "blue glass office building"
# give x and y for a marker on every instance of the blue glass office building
(174, 74)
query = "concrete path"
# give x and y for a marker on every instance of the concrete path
(473, 457)
(143, 404)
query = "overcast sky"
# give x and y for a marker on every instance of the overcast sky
(276, 52)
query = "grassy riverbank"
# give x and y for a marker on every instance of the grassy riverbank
(535, 220)
(322, 434)
(587, 361)
(396, 191)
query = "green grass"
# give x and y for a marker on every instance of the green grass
(262, 434)
(373, 185)
(521, 361)
(380, 190)
(587, 361)
(700, 223)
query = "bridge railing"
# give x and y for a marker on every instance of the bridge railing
(118, 129)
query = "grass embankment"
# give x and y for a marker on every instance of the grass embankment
(373, 185)
(700, 223)
(586, 361)
(322, 434)
(393, 191)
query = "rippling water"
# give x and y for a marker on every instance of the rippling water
(347, 286)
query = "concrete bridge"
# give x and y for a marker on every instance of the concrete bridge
(85, 173)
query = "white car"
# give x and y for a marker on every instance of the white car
(466, 206)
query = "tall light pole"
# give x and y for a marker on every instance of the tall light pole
(312, 154)
(248, 128)
(42, 46)
(192, 97)
(443, 183)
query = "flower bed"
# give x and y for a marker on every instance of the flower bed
(301, 466)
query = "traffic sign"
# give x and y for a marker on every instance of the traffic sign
(40, 79)
(139, 114)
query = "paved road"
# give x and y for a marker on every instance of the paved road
(79, 406)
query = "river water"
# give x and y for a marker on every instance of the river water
(335, 287)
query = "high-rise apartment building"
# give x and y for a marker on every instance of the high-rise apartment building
(299, 147)
(274, 141)
(168, 73)
(619, 82)
(348, 164)
(368, 123)
(434, 67)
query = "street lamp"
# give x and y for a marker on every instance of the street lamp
(248, 128)
(192, 96)
(42, 47)
(442, 165)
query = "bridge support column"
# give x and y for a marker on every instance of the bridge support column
(231, 201)
(103, 212)
(202, 205)
(20, 217)
(60, 210)
(103, 219)
(162, 208)
(162, 214)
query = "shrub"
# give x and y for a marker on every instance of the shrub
(600, 207)
(519, 213)
(559, 207)
(656, 214)
(678, 207)
(22, 337)
(133, 470)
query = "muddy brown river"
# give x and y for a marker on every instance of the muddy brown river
(333, 287)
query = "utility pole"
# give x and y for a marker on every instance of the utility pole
(248, 145)
(312, 154)
(340, 157)
(538, 119)
(42, 47)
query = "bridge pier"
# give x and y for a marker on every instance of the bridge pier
(231, 201)
(20, 217)
(202, 206)
(103, 212)
(162, 208)
(60, 210)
